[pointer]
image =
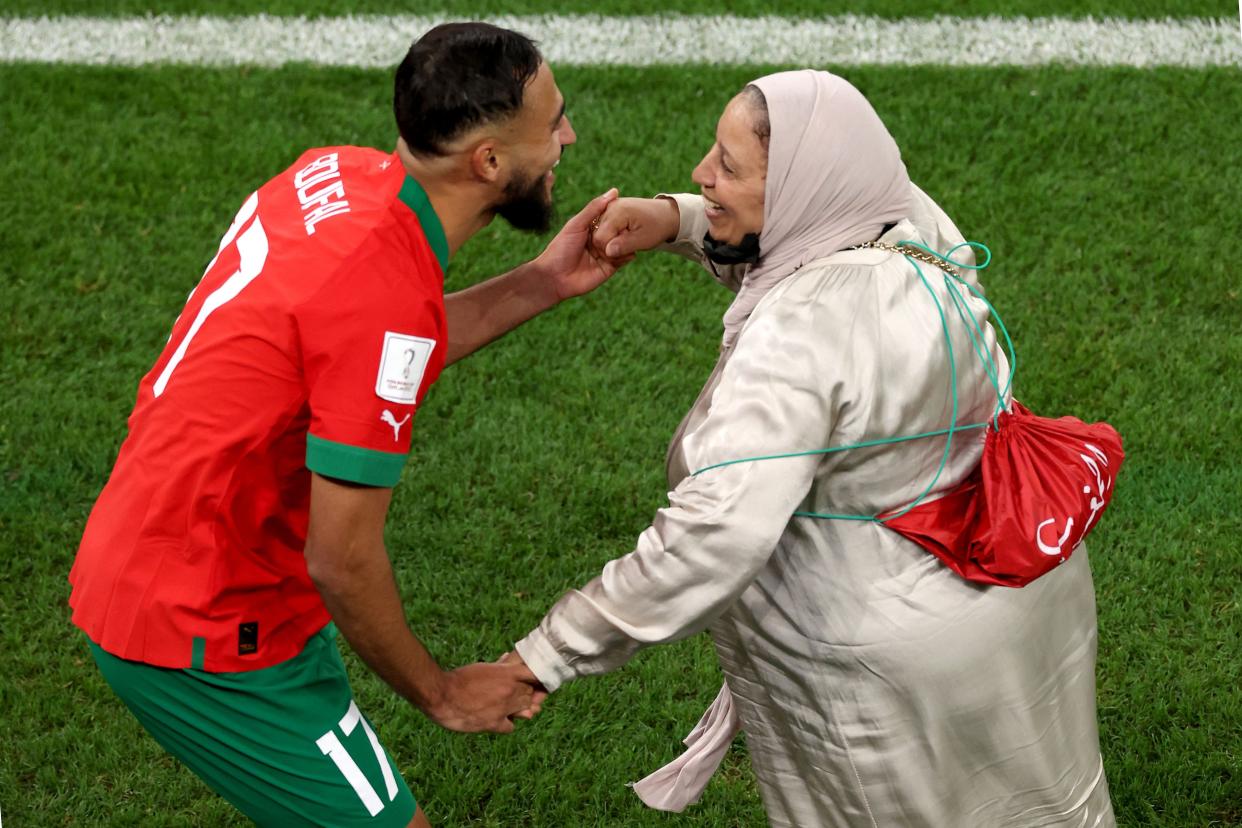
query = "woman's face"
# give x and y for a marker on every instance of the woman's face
(732, 175)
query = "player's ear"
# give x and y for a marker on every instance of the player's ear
(485, 160)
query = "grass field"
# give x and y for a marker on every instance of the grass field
(1109, 197)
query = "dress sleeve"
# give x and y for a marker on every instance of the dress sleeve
(777, 394)
(370, 350)
(689, 241)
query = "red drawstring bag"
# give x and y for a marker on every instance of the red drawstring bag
(1040, 486)
(1038, 491)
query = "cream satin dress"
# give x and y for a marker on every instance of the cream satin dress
(875, 687)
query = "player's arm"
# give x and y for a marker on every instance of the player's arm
(348, 562)
(569, 266)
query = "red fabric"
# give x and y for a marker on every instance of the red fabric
(202, 523)
(1039, 490)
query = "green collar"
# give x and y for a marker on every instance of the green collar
(415, 197)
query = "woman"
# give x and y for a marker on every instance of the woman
(875, 686)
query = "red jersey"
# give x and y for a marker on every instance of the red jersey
(310, 341)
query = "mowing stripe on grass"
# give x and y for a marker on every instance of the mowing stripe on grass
(374, 41)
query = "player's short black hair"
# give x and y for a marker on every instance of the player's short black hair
(457, 76)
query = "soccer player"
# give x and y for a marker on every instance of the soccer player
(243, 521)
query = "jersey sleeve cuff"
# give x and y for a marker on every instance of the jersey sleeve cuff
(357, 465)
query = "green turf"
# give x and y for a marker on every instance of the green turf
(483, 8)
(1109, 197)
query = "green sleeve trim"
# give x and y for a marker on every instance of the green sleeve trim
(357, 465)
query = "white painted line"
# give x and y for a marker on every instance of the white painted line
(374, 41)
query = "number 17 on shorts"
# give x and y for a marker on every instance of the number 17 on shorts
(333, 748)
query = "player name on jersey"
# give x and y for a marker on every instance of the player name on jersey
(320, 191)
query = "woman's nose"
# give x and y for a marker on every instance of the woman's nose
(701, 175)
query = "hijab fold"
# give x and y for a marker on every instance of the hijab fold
(835, 179)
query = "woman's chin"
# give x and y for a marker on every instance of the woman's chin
(720, 230)
(726, 237)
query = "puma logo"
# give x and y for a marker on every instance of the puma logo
(391, 419)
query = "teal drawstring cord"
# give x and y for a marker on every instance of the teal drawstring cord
(976, 334)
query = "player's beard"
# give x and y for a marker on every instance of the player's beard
(526, 204)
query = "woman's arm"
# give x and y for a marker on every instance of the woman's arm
(778, 394)
(672, 223)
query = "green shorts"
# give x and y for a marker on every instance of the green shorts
(286, 744)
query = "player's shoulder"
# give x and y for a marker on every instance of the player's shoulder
(364, 173)
(339, 205)
(345, 157)
(335, 195)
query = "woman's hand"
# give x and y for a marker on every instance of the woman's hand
(629, 225)
(571, 264)
(540, 692)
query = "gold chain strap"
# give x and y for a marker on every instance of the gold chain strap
(913, 252)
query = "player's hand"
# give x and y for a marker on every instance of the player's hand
(540, 692)
(629, 225)
(572, 263)
(482, 697)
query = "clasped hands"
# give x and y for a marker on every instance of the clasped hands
(602, 238)
(486, 697)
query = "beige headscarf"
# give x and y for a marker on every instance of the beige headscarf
(835, 178)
